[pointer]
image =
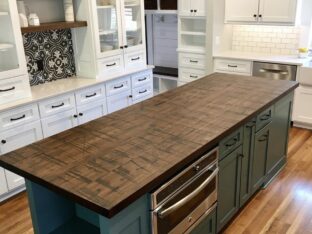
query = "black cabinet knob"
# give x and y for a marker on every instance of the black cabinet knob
(260, 16)
(126, 46)
(130, 96)
(195, 11)
(3, 141)
(80, 114)
(75, 116)
(192, 10)
(255, 16)
(121, 47)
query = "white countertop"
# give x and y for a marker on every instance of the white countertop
(259, 57)
(59, 87)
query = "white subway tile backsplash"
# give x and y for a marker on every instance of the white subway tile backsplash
(266, 39)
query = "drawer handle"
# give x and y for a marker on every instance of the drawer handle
(92, 95)
(264, 138)
(251, 124)
(6, 90)
(3, 142)
(62, 104)
(193, 76)
(232, 143)
(111, 65)
(265, 117)
(119, 87)
(140, 80)
(19, 118)
(80, 114)
(232, 66)
(135, 59)
(140, 92)
(193, 61)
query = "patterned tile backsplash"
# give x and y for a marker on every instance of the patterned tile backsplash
(282, 40)
(49, 55)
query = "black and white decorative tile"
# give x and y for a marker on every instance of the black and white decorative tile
(49, 55)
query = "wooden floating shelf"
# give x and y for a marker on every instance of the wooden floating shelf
(54, 26)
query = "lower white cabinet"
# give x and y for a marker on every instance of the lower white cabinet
(233, 66)
(60, 122)
(119, 101)
(302, 113)
(143, 99)
(92, 111)
(13, 181)
(141, 92)
(188, 75)
(3, 183)
(20, 136)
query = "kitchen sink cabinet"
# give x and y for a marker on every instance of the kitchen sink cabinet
(229, 186)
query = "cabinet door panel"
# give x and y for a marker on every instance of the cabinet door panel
(260, 157)
(92, 111)
(280, 11)
(3, 183)
(119, 101)
(199, 7)
(302, 111)
(241, 10)
(185, 7)
(14, 181)
(229, 183)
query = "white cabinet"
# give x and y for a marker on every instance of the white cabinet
(119, 101)
(13, 181)
(92, 111)
(118, 86)
(261, 11)
(192, 8)
(188, 75)
(3, 182)
(90, 95)
(231, 66)
(302, 113)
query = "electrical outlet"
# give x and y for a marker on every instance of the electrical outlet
(40, 65)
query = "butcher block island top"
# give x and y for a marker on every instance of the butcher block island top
(107, 164)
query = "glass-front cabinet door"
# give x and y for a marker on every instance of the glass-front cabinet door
(12, 59)
(109, 27)
(133, 27)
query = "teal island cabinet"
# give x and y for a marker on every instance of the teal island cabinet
(98, 178)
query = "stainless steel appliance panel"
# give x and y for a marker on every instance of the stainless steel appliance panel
(275, 71)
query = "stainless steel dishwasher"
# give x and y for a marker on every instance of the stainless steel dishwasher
(275, 71)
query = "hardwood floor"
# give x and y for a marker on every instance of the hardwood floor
(284, 207)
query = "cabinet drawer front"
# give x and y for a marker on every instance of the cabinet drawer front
(14, 181)
(192, 60)
(59, 123)
(231, 142)
(118, 86)
(135, 60)
(119, 101)
(3, 182)
(110, 66)
(143, 99)
(20, 136)
(264, 118)
(56, 105)
(14, 89)
(189, 75)
(233, 66)
(92, 111)
(90, 95)
(18, 116)
(141, 92)
(142, 78)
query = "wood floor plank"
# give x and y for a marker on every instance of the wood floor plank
(285, 207)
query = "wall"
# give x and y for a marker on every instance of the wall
(49, 55)
(266, 39)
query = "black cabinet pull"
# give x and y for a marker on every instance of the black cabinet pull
(118, 87)
(130, 96)
(62, 104)
(111, 65)
(255, 15)
(265, 117)
(19, 118)
(142, 79)
(193, 61)
(251, 124)
(195, 11)
(192, 11)
(7, 90)
(232, 66)
(140, 92)
(135, 59)
(260, 16)
(75, 116)
(92, 95)
(126, 46)
(121, 47)
(264, 138)
(193, 76)
(80, 114)
(3, 142)
(232, 143)
(241, 155)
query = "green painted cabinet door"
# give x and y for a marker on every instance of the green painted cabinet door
(208, 225)
(229, 181)
(248, 150)
(279, 136)
(259, 158)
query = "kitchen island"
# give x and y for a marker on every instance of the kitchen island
(96, 178)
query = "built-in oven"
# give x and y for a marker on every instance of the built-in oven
(182, 203)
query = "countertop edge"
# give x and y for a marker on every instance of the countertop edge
(152, 184)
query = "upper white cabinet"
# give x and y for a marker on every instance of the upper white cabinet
(192, 8)
(114, 44)
(261, 11)
(12, 58)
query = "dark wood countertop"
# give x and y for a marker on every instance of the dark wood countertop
(110, 162)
